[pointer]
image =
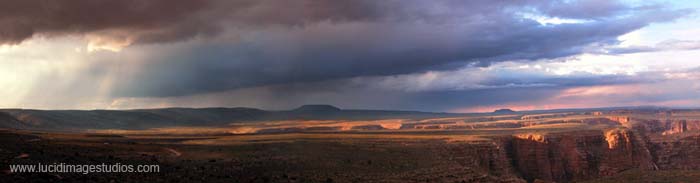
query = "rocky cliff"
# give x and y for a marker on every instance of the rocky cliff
(646, 145)
(681, 154)
(557, 157)
(577, 156)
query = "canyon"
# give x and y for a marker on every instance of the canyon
(309, 145)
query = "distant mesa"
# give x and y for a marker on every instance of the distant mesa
(317, 108)
(504, 111)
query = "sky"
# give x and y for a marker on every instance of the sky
(442, 55)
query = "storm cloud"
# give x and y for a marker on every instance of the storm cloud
(168, 49)
(221, 45)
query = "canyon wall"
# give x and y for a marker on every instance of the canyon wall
(577, 156)
(581, 155)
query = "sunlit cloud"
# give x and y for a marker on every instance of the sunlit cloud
(112, 42)
(547, 20)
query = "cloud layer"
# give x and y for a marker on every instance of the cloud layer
(427, 50)
(257, 43)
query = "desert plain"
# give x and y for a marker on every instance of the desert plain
(326, 144)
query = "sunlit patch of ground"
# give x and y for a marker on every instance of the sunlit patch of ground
(471, 128)
(449, 129)
(242, 139)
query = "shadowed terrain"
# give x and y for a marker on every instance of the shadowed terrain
(319, 143)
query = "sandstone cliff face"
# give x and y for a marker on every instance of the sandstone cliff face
(623, 120)
(675, 127)
(625, 150)
(683, 154)
(566, 157)
(559, 157)
(673, 143)
(679, 126)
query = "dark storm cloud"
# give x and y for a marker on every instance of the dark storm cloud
(332, 51)
(279, 42)
(152, 21)
(22, 19)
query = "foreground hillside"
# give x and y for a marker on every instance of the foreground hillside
(573, 146)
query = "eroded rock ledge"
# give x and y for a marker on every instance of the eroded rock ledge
(584, 155)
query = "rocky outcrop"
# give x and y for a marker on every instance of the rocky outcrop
(680, 154)
(680, 126)
(625, 150)
(583, 155)
(623, 120)
(538, 157)
(564, 157)
(675, 127)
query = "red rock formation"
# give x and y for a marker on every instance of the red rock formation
(683, 154)
(675, 127)
(625, 150)
(561, 157)
(663, 127)
(579, 156)
(620, 119)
